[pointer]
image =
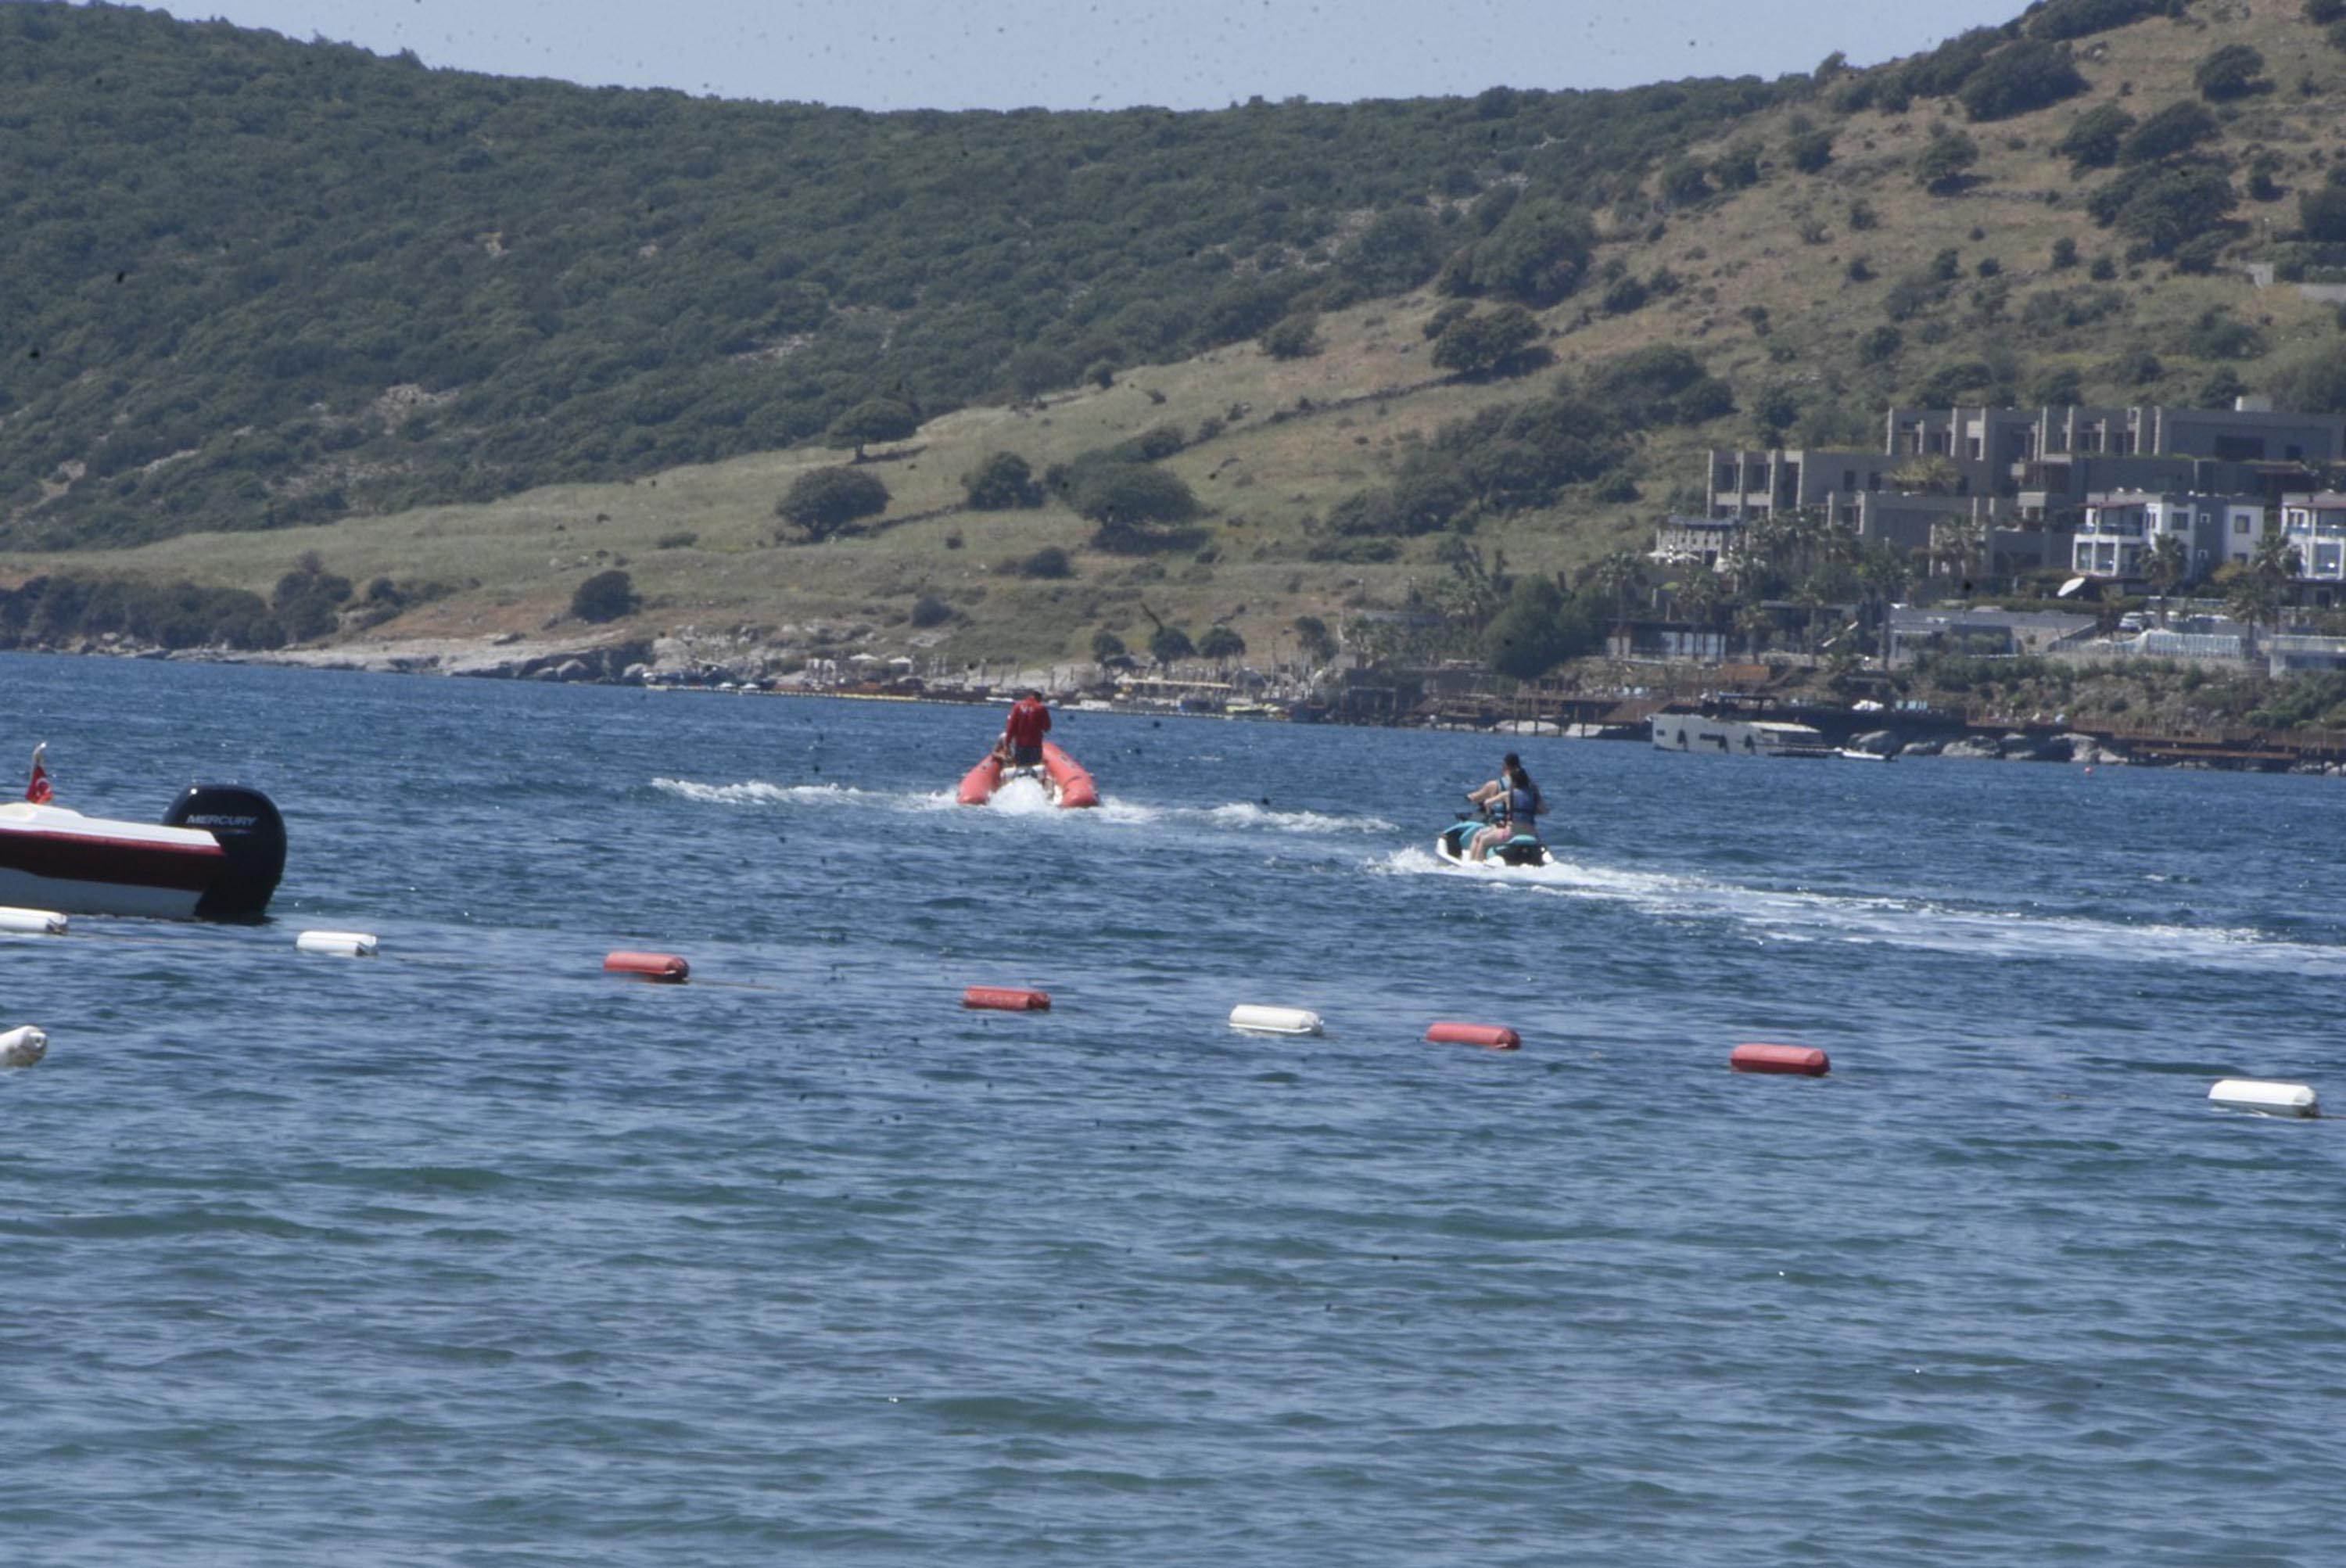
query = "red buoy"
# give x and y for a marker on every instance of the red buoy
(1806, 1061)
(1489, 1035)
(1006, 999)
(666, 967)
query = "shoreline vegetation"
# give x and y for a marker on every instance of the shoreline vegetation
(1983, 709)
(1387, 400)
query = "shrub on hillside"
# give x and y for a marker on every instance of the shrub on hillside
(1131, 495)
(826, 500)
(604, 596)
(2322, 13)
(1491, 343)
(2176, 129)
(1001, 483)
(1297, 337)
(875, 419)
(2312, 382)
(1683, 183)
(928, 610)
(2094, 137)
(2165, 206)
(1942, 166)
(2322, 212)
(308, 600)
(2030, 75)
(1537, 255)
(1047, 563)
(1809, 151)
(1945, 70)
(2079, 18)
(2234, 71)
(1660, 385)
(1398, 250)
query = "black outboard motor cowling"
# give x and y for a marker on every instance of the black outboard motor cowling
(248, 827)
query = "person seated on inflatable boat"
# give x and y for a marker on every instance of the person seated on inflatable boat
(1021, 745)
(1514, 804)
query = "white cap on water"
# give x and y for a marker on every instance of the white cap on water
(37, 923)
(23, 1047)
(2262, 1095)
(339, 944)
(1275, 1020)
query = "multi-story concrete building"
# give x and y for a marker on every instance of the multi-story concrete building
(2028, 473)
(2122, 527)
(2315, 523)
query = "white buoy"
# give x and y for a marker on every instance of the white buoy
(23, 1047)
(337, 944)
(35, 922)
(2271, 1098)
(1275, 1020)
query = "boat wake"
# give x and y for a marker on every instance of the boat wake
(1800, 915)
(757, 793)
(1247, 816)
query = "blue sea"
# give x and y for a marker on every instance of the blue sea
(473, 1254)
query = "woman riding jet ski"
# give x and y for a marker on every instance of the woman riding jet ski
(1506, 833)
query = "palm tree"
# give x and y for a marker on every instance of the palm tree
(1956, 541)
(1616, 575)
(2166, 565)
(2256, 593)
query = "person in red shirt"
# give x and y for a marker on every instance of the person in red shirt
(1023, 732)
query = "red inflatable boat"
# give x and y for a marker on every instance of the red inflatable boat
(1061, 776)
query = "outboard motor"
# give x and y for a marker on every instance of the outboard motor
(249, 829)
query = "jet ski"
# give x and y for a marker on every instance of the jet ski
(1063, 779)
(1522, 850)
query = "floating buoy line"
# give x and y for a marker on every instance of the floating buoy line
(25, 1045)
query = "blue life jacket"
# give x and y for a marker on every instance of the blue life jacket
(1523, 805)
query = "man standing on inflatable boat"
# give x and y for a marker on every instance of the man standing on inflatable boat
(1022, 734)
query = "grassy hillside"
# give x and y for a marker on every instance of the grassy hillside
(1822, 253)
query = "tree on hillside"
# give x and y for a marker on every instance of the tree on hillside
(604, 596)
(1809, 151)
(1168, 643)
(2094, 137)
(1131, 495)
(2029, 74)
(1295, 337)
(2322, 212)
(2167, 207)
(2077, 18)
(2312, 382)
(1221, 645)
(1399, 249)
(1491, 343)
(2234, 71)
(1108, 649)
(1001, 483)
(1312, 635)
(1537, 255)
(875, 419)
(824, 500)
(2173, 130)
(1941, 167)
(308, 600)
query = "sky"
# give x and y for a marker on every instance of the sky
(1110, 53)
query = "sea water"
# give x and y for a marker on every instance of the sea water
(471, 1254)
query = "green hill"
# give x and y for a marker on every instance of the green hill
(472, 342)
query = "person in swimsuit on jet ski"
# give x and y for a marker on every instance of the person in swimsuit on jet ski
(1514, 804)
